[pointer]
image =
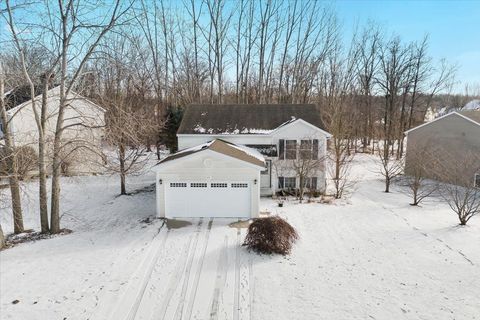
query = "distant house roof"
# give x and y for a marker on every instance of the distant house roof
(472, 114)
(245, 118)
(20, 94)
(469, 115)
(221, 146)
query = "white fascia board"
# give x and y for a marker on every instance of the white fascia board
(168, 164)
(213, 135)
(440, 118)
(327, 134)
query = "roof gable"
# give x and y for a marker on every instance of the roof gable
(461, 115)
(238, 152)
(244, 118)
(54, 93)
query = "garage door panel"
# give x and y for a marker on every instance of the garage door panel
(208, 199)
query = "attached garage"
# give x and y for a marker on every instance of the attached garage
(216, 179)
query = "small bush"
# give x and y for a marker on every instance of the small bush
(270, 235)
(26, 161)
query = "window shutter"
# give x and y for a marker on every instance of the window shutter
(313, 185)
(281, 149)
(315, 149)
(281, 182)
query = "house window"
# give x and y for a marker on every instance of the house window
(178, 185)
(198, 185)
(311, 183)
(218, 185)
(477, 180)
(290, 149)
(306, 149)
(286, 182)
(239, 185)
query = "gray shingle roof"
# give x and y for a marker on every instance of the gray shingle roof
(245, 118)
(472, 114)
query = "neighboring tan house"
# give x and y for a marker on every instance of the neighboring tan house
(83, 128)
(447, 148)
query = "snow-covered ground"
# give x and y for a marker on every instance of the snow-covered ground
(371, 256)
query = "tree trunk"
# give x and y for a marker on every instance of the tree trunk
(43, 195)
(56, 167)
(55, 206)
(123, 189)
(2, 238)
(387, 185)
(16, 202)
(11, 163)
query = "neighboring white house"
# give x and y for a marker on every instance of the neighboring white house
(280, 132)
(214, 179)
(83, 128)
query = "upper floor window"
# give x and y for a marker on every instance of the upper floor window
(290, 149)
(308, 149)
(477, 180)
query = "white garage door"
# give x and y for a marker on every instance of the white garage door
(207, 199)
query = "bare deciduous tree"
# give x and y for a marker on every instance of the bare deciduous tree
(419, 186)
(390, 166)
(461, 191)
(10, 154)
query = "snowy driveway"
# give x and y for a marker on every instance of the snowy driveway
(198, 271)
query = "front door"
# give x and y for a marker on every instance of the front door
(266, 175)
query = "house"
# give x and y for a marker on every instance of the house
(230, 155)
(447, 148)
(214, 179)
(82, 129)
(282, 133)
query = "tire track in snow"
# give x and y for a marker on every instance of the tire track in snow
(183, 294)
(198, 272)
(245, 284)
(251, 285)
(149, 261)
(180, 269)
(236, 302)
(134, 309)
(220, 280)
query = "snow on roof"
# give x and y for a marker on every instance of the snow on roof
(226, 148)
(245, 119)
(472, 105)
(250, 151)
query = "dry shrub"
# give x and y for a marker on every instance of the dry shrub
(26, 158)
(270, 235)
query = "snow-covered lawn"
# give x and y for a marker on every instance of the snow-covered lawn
(371, 256)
